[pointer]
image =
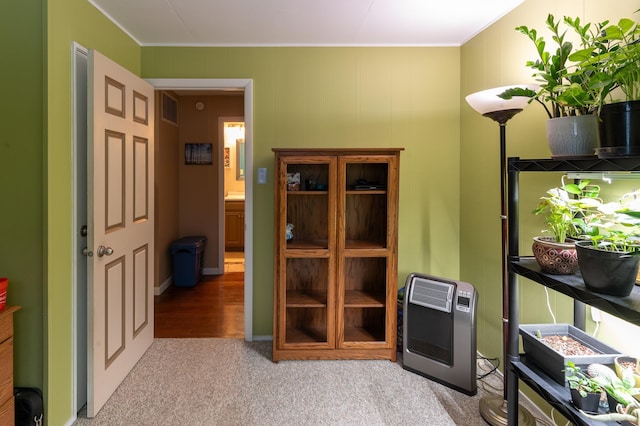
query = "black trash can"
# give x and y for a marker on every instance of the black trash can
(188, 256)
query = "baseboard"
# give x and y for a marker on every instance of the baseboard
(266, 338)
(211, 271)
(163, 287)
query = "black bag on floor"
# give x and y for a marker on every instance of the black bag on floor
(29, 407)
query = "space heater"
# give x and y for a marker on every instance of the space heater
(439, 331)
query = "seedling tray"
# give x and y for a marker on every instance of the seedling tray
(553, 362)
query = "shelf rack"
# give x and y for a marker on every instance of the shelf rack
(626, 308)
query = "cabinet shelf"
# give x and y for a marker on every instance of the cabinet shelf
(306, 299)
(363, 299)
(307, 244)
(289, 193)
(366, 192)
(306, 335)
(362, 334)
(364, 245)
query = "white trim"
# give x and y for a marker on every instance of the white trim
(76, 255)
(115, 22)
(246, 85)
(214, 271)
(163, 287)
(267, 338)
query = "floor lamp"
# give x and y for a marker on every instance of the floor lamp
(494, 408)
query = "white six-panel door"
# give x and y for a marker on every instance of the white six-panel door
(120, 172)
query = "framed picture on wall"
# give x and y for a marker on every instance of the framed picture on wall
(198, 153)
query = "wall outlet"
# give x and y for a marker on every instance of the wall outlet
(595, 314)
(262, 175)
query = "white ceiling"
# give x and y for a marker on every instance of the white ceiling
(303, 22)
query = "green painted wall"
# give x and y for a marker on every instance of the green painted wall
(496, 58)
(347, 97)
(21, 177)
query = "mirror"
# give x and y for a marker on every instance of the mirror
(240, 159)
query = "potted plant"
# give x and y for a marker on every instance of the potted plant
(620, 390)
(565, 213)
(570, 98)
(621, 393)
(611, 57)
(610, 256)
(585, 390)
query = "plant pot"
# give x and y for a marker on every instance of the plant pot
(607, 272)
(587, 403)
(620, 130)
(555, 258)
(574, 136)
(623, 362)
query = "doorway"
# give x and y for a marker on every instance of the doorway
(246, 85)
(231, 137)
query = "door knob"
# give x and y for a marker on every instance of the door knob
(102, 251)
(86, 252)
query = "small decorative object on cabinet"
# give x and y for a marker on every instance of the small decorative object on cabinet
(7, 405)
(335, 283)
(626, 308)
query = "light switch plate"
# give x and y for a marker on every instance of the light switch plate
(262, 175)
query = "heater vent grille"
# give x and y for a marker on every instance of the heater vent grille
(432, 294)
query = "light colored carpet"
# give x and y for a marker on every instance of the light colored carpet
(232, 382)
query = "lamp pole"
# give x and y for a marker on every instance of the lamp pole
(494, 408)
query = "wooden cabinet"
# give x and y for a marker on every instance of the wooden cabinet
(234, 225)
(335, 285)
(7, 410)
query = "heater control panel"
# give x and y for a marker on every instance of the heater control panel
(463, 301)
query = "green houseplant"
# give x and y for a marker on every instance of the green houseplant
(621, 393)
(610, 57)
(610, 256)
(565, 212)
(570, 97)
(585, 390)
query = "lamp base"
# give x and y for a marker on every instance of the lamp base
(493, 410)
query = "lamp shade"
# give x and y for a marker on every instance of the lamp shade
(487, 101)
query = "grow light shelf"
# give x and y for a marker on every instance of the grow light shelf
(622, 164)
(556, 395)
(626, 308)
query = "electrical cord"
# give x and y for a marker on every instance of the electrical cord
(493, 368)
(546, 290)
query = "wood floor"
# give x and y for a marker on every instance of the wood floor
(212, 308)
